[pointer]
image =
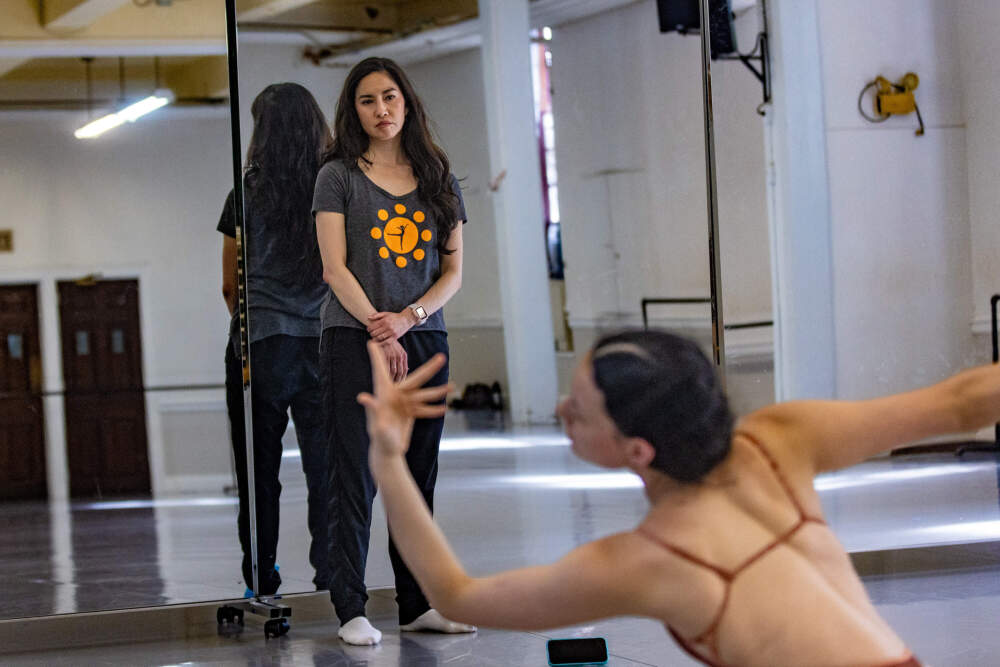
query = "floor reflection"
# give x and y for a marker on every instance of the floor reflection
(506, 497)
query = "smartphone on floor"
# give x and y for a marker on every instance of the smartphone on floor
(572, 652)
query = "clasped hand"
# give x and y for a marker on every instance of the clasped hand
(383, 327)
(386, 328)
(392, 407)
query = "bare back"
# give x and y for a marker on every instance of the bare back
(765, 580)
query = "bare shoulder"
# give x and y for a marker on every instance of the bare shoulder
(778, 429)
(607, 560)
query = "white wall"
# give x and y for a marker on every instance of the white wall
(977, 24)
(900, 203)
(264, 63)
(458, 115)
(451, 88)
(630, 146)
(140, 202)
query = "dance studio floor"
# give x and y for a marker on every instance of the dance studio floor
(924, 531)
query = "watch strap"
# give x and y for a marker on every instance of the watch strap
(420, 312)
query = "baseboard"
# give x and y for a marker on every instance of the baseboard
(188, 484)
(170, 622)
(982, 324)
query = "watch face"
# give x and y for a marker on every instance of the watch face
(421, 313)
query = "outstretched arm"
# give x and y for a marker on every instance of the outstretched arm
(584, 585)
(836, 434)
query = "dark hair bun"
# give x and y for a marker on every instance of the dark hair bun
(662, 388)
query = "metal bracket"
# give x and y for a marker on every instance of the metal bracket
(761, 54)
(275, 616)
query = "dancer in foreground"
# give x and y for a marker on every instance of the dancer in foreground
(734, 556)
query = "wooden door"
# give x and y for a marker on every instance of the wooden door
(22, 439)
(105, 403)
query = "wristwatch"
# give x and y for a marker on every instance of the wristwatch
(420, 312)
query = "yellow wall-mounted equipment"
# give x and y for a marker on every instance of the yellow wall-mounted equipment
(892, 99)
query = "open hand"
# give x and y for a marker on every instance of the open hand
(389, 326)
(393, 408)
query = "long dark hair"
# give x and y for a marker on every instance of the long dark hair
(429, 163)
(290, 137)
(662, 388)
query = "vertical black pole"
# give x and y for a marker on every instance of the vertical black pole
(241, 282)
(996, 354)
(714, 263)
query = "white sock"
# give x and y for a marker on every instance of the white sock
(359, 631)
(432, 621)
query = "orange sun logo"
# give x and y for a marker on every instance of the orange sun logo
(401, 235)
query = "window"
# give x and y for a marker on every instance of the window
(541, 64)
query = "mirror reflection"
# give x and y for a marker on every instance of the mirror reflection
(861, 253)
(620, 161)
(285, 290)
(621, 182)
(115, 143)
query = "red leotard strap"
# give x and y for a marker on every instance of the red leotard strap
(780, 477)
(708, 637)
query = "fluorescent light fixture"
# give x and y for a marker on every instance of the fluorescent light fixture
(98, 127)
(129, 114)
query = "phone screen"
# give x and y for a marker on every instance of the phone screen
(577, 651)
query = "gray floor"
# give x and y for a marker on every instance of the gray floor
(506, 497)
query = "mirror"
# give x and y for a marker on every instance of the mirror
(114, 449)
(594, 160)
(109, 265)
(743, 211)
(621, 137)
(904, 297)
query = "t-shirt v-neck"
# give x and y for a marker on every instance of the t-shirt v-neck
(383, 190)
(391, 242)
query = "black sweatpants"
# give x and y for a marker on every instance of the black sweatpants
(347, 372)
(285, 373)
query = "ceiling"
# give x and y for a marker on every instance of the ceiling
(137, 45)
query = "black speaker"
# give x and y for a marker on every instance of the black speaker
(684, 17)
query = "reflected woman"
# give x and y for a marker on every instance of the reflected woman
(285, 291)
(389, 217)
(734, 555)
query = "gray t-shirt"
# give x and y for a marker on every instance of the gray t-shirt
(277, 305)
(391, 243)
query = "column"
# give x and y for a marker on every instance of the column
(517, 208)
(799, 202)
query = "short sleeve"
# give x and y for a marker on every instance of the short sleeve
(227, 221)
(456, 188)
(331, 188)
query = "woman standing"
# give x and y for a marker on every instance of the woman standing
(389, 217)
(286, 289)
